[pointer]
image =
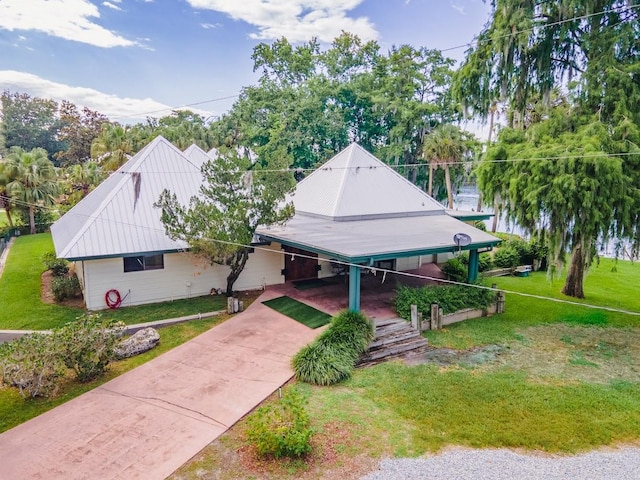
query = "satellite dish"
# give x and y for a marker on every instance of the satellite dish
(461, 239)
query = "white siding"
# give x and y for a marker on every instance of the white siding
(443, 257)
(264, 267)
(407, 263)
(183, 276)
(326, 270)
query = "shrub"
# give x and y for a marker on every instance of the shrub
(332, 356)
(59, 266)
(455, 269)
(32, 364)
(281, 429)
(86, 345)
(450, 298)
(480, 225)
(321, 363)
(506, 257)
(65, 287)
(485, 262)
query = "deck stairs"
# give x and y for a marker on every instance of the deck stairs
(394, 338)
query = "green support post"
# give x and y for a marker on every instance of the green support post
(474, 262)
(354, 288)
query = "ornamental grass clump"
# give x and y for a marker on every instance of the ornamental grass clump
(332, 357)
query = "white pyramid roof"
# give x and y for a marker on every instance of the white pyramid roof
(198, 156)
(355, 185)
(111, 222)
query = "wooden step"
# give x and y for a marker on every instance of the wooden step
(398, 337)
(398, 350)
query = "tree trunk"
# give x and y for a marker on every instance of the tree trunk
(237, 264)
(575, 275)
(430, 190)
(447, 179)
(496, 214)
(4, 203)
(32, 219)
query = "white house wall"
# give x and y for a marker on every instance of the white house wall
(183, 276)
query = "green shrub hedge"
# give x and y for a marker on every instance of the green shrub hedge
(332, 356)
(450, 298)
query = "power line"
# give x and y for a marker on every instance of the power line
(547, 25)
(457, 47)
(219, 99)
(372, 268)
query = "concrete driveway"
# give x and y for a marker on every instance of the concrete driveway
(148, 422)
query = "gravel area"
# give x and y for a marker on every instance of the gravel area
(502, 464)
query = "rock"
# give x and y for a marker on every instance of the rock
(138, 343)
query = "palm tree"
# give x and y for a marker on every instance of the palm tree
(113, 146)
(444, 146)
(33, 180)
(81, 179)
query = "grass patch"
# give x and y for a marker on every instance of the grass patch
(300, 312)
(14, 410)
(20, 285)
(602, 287)
(501, 409)
(23, 309)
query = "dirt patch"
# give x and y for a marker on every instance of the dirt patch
(576, 353)
(46, 295)
(229, 457)
(445, 357)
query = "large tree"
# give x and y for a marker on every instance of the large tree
(590, 50)
(30, 122)
(567, 178)
(78, 131)
(314, 102)
(33, 182)
(235, 198)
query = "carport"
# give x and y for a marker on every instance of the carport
(357, 211)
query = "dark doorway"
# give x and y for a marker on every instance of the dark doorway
(300, 268)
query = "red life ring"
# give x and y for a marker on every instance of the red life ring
(113, 298)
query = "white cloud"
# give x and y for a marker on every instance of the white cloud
(112, 6)
(68, 19)
(458, 8)
(208, 26)
(126, 110)
(298, 20)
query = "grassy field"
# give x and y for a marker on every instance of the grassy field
(567, 381)
(22, 307)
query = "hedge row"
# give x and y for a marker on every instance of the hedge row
(450, 298)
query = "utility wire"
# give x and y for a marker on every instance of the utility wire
(547, 25)
(457, 47)
(371, 268)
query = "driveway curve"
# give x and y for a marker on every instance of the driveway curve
(149, 421)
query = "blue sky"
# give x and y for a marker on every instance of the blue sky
(127, 58)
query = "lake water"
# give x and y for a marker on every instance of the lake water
(467, 199)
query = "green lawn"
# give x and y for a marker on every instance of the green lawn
(300, 312)
(602, 287)
(22, 308)
(20, 286)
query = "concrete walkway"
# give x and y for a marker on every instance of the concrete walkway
(149, 421)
